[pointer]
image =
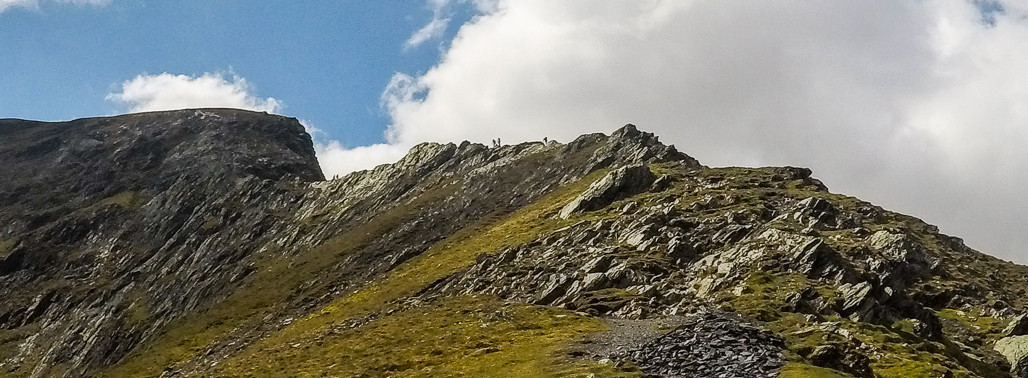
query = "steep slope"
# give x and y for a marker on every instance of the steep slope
(114, 226)
(206, 242)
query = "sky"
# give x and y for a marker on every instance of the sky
(920, 106)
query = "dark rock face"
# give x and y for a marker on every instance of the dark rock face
(106, 214)
(1018, 326)
(712, 345)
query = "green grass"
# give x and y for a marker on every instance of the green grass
(6, 245)
(441, 260)
(798, 370)
(973, 320)
(765, 293)
(475, 336)
(275, 280)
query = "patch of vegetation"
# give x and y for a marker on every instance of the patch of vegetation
(9, 342)
(974, 320)
(127, 200)
(456, 336)
(138, 310)
(6, 245)
(798, 370)
(898, 351)
(211, 224)
(762, 294)
(441, 260)
(275, 279)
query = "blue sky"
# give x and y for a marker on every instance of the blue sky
(326, 61)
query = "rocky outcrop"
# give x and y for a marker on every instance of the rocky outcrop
(1018, 326)
(1015, 349)
(621, 183)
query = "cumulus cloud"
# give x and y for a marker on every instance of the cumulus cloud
(34, 4)
(337, 160)
(917, 106)
(211, 90)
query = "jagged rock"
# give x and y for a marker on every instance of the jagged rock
(1018, 326)
(821, 212)
(816, 259)
(620, 183)
(557, 287)
(662, 183)
(1015, 349)
(594, 281)
(843, 358)
(808, 301)
(680, 250)
(858, 302)
(599, 264)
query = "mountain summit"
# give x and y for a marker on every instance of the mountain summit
(207, 243)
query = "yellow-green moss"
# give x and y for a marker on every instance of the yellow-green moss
(456, 336)
(6, 245)
(762, 294)
(974, 320)
(126, 200)
(441, 260)
(277, 278)
(138, 310)
(798, 370)
(273, 282)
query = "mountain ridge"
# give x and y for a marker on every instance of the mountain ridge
(232, 256)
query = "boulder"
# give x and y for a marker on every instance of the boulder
(1018, 326)
(621, 183)
(858, 302)
(1015, 349)
(843, 358)
(816, 259)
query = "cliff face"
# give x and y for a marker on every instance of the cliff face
(206, 242)
(109, 224)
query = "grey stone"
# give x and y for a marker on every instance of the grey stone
(623, 182)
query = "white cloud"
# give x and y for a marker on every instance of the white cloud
(337, 160)
(435, 28)
(34, 4)
(918, 106)
(210, 90)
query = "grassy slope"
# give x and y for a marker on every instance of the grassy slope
(323, 342)
(467, 336)
(443, 259)
(275, 281)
